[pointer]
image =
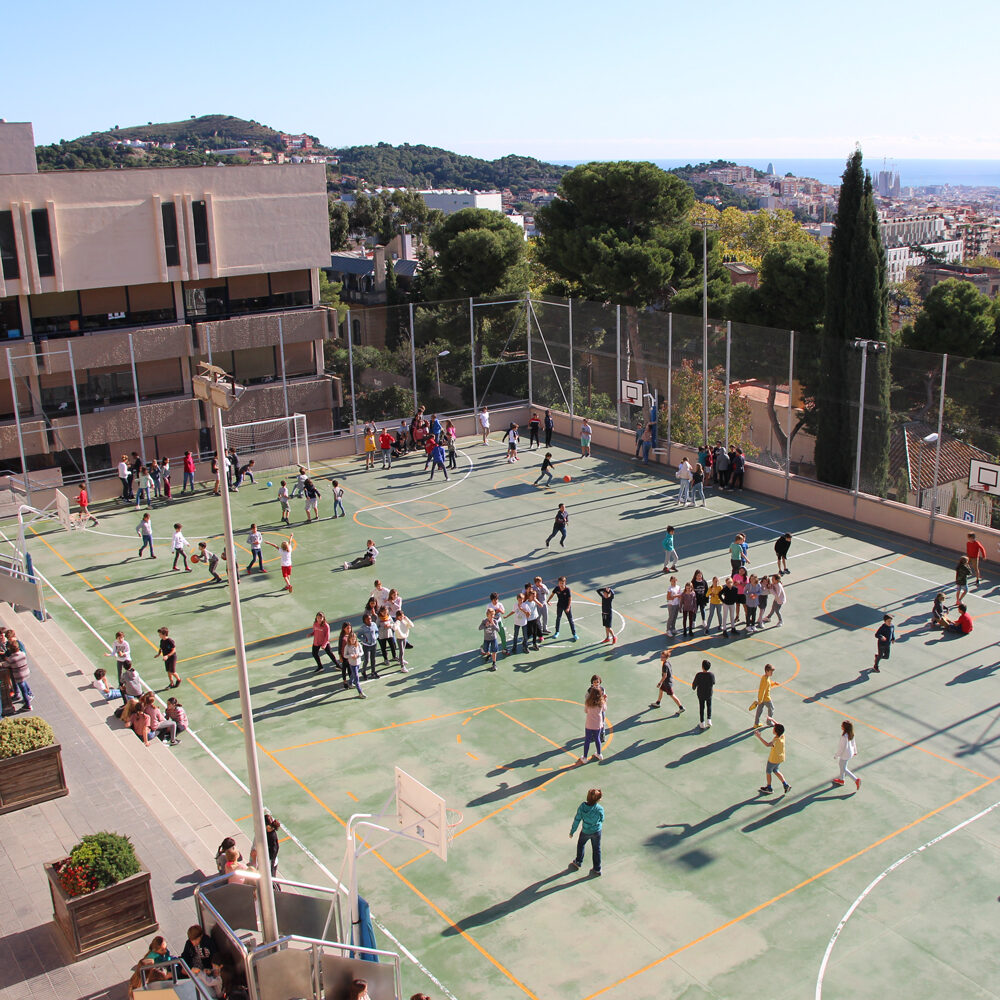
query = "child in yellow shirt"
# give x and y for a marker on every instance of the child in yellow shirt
(775, 758)
(764, 696)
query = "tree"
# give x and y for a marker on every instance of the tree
(340, 225)
(686, 408)
(956, 319)
(477, 253)
(857, 309)
(791, 296)
(747, 236)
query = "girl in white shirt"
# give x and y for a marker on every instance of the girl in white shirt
(520, 614)
(122, 653)
(285, 551)
(777, 591)
(401, 629)
(180, 543)
(499, 613)
(846, 749)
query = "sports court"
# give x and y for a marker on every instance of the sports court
(709, 888)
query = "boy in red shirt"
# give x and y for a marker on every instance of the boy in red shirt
(975, 551)
(83, 500)
(385, 442)
(962, 624)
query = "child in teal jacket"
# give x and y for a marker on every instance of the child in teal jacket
(590, 818)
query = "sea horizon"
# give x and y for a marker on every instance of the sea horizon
(912, 172)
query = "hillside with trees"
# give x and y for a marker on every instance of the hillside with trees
(206, 131)
(431, 167)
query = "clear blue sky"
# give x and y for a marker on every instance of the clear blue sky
(633, 79)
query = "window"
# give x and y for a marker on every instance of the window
(201, 232)
(356, 332)
(43, 242)
(8, 247)
(169, 212)
(10, 319)
(206, 298)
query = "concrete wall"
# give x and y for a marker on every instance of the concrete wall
(262, 331)
(111, 348)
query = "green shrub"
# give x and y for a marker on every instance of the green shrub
(24, 734)
(99, 860)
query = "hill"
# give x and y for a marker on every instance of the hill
(207, 131)
(432, 167)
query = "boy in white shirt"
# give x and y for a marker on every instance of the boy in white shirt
(283, 500)
(484, 423)
(338, 499)
(381, 595)
(255, 542)
(180, 543)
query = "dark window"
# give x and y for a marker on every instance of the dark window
(170, 244)
(201, 232)
(10, 319)
(8, 247)
(43, 242)
(203, 298)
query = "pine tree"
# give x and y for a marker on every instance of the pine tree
(857, 308)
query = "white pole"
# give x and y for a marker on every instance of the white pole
(79, 420)
(268, 911)
(670, 383)
(788, 424)
(284, 383)
(937, 449)
(17, 421)
(618, 369)
(861, 422)
(413, 357)
(527, 327)
(704, 332)
(135, 390)
(472, 342)
(729, 345)
(571, 410)
(350, 367)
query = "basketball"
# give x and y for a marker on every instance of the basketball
(195, 558)
(269, 483)
(567, 479)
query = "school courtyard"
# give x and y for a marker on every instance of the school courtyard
(709, 889)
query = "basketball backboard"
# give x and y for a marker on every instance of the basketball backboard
(63, 514)
(984, 477)
(421, 813)
(631, 392)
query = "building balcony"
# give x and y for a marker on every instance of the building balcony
(261, 330)
(110, 348)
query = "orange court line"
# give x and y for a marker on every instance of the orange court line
(794, 888)
(167, 590)
(94, 590)
(558, 746)
(254, 659)
(854, 583)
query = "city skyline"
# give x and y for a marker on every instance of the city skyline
(556, 81)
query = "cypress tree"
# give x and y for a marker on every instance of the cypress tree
(856, 309)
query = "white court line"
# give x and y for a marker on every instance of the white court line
(875, 881)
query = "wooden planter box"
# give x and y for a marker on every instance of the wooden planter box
(32, 777)
(105, 918)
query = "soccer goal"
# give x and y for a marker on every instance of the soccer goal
(272, 444)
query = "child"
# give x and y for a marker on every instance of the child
(777, 591)
(884, 638)
(975, 552)
(168, 650)
(781, 547)
(175, 712)
(210, 559)
(367, 559)
(255, 542)
(165, 476)
(401, 630)
(666, 684)
(962, 624)
(180, 543)
(703, 684)
(590, 818)
(338, 499)
(736, 554)
(764, 697)
(512, 438)
(312, 496)
(368, 634)
(596, 682)
(500, 612)
(437, 457)
(939, 611)
(774, 759)
(449, 436)
(547, 465)
(102, 685)
(122, 653)
(131, 685)
(673, 606)
(714, 603)
(386, 635)
(607, 596)
(689, 608)
(488, 626)
(740, 581)
(144, 529)
(285, 552)
(962, 573)
(370, 446)
(752, 593)
(700, 586)
(669, 550)
(593, 713)
(84, 501)
(352, 657)
(283, 497)
(300, 483)
(846, 749)
(728, 597)
(586, 433)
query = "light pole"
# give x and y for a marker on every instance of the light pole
(930, 439)
(437, 368)
(704, 326)
(864, 346)
(221, 392)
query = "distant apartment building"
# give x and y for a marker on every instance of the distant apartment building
(905, 236)
(114, 284)
(449, 201)
(302, 142)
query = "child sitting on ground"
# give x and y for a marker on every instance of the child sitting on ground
(175, 712)
(102, 685)
(939, 614)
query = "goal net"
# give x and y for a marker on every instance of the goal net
(272, 444)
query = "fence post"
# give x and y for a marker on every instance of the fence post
(527, 327)
(937, 449)
(572, 416)
(138, 410)
(284, 382)
(17, 421)
(350, 371)
(472, 342)
(670, 383)
(618, 369)
(729, 344)
(79, 420)
(413, 357)
(861, 427)
(788, 424)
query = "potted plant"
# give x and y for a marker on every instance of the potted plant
(31, 767)
(101, 894)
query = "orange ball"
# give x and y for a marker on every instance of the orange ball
(567, 479)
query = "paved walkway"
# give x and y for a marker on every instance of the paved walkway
(110, 788)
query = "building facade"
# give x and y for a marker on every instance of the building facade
(114, 284)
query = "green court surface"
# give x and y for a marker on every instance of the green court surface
(709, 889)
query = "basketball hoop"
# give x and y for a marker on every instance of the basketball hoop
(454, 821)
